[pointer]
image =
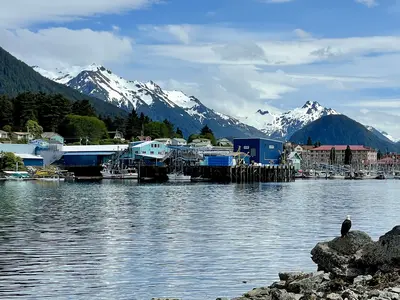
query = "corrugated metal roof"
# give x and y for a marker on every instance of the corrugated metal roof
(28, 156)
(95, 148)
(86, 153)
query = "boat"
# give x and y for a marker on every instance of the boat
(336, 176)
(178, 177)
(380, 175)
(396, 175)
(17, 175)
(129, 173)
(54, 178)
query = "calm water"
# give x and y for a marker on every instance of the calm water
(126, 241)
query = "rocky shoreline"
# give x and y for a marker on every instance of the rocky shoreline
(353, 267)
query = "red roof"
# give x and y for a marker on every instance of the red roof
(341, 148)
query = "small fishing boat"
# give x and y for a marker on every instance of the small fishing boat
(54, 178)
(380, 176)
(129, 173)
(17, 175)
(178, 177)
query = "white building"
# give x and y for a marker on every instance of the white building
(178, 142)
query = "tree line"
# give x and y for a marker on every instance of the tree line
(78, 122)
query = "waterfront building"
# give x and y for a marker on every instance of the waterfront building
(149, 149)
(262, 151)
(361, 155)
(294, 159)
(27, 152)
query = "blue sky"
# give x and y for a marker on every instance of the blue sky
(236, 56)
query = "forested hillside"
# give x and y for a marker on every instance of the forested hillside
(17, 77)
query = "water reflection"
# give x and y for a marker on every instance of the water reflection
(133, 241)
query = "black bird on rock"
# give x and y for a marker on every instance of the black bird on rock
(346, 225)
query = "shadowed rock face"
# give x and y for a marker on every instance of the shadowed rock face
(338, 256)
(357, 254)
(385, 253)
(353, 267)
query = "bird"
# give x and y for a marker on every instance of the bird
(346, 225)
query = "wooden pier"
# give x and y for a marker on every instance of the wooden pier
(235, 174)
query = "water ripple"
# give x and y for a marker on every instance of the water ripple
(128, 241)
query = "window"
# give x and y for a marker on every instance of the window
(136, 152)
(271, 147)
(253, 152)
(151, 152)
(246, 147)
(143, 152)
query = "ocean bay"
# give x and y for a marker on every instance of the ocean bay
(194, 241)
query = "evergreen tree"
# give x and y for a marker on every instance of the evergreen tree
(83, 108)
(178, 133)
(332, 156)
(348, 156)
(170, 128)
(379, 155)
(309, 141)
(6, 111)
(205, 130)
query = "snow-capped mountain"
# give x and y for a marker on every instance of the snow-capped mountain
(282, 126)
(186, 112)
(382, 134)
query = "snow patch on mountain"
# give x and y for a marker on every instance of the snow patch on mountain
(186, 112)
(382, 134)
(283, 125)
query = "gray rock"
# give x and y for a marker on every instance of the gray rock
(257, 292)
(385, 253)
(333, 296)
(337, 256)
(279, 284)
(306, 284)
(284, 295)
(362, 279)
(395, 290)
(289, 276)
(349, 294)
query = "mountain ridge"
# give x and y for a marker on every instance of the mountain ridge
(341, 130)
(186, 112)
(17, 77)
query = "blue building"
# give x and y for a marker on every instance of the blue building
(149, 150)
(27, 152)
(264, 151)
(89, 156)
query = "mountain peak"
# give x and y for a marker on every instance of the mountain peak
(312, 104)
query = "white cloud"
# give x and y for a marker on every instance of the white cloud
(302, 34)
(21, 13)
(57, 47)
(368, 3)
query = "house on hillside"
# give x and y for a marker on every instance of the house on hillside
(53, 138)
(143, 138)
(19, 136)
(178, 142)
(166, 141)
(3, 135)
(224, 143)
(200, 143)
(116, 135)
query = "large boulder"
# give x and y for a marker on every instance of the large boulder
(383, 255)
(338, 256)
